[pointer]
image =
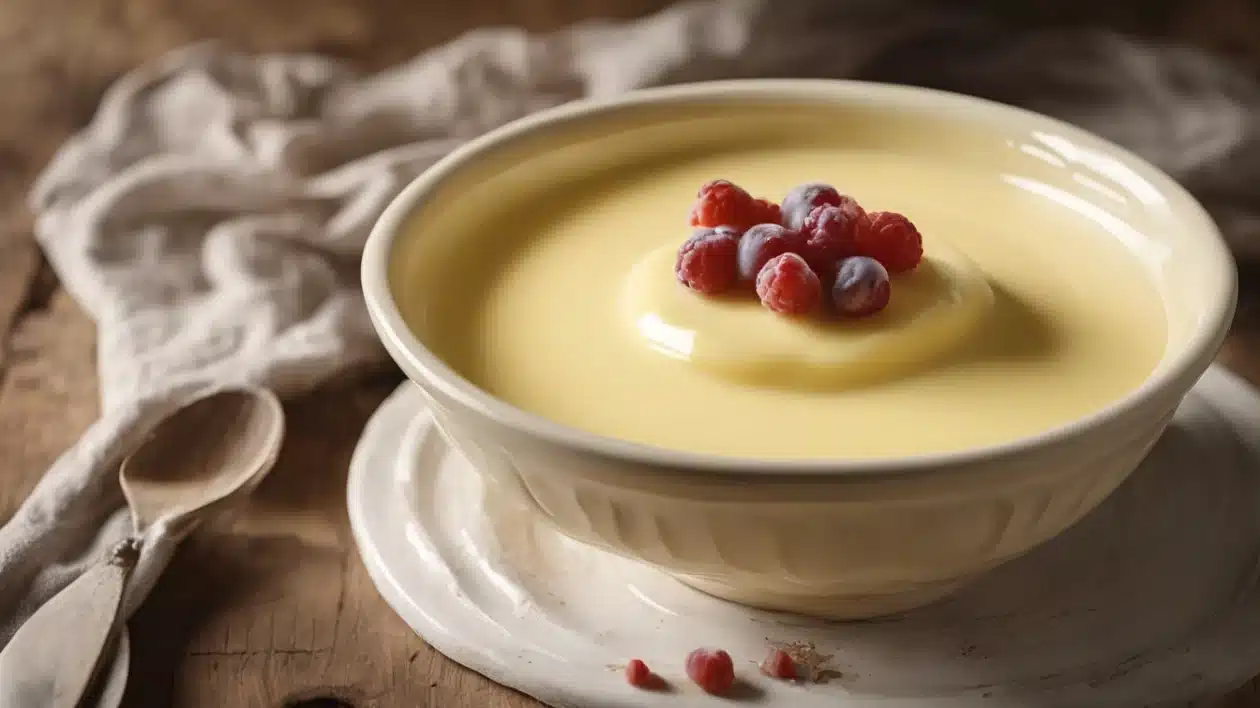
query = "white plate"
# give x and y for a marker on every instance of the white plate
(1151, 600)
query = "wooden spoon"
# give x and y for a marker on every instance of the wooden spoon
(191, 465)
(195, 461)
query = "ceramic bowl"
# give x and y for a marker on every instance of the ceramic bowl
(840, 539)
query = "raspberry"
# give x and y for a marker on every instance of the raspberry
(721, 203)
(787, 285)
(778, 664)
(707, 262)
(805, 198)
(891, 239)
(831, 232)
(767, 211)
(638, 674)
(712, 670)
(861, 288)
(763, 242)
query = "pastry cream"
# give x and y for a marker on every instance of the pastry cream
(1024, 316)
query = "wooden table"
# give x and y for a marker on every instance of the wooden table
(277, 610)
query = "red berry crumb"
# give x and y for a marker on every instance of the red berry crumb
(778, 664)
(831, 233)
(891, 239)
(788, 286)
(722, 203)
(711, 670)
(638, 674)
(708, 261)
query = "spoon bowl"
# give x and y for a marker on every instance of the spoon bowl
(204, 453)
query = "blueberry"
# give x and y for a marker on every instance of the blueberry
(862, 287)
(761, 243)
(802, 200)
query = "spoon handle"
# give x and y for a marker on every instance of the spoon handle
(55, 655)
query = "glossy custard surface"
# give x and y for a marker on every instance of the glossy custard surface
(935, 310)
(1025, 316)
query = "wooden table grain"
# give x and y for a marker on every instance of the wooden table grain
(276, 609)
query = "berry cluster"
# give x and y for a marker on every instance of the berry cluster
(817, 241)
(713, 670)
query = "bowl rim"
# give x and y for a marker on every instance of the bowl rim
(418, 362)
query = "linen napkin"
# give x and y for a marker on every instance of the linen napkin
(211, 215)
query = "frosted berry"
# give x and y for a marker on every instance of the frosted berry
(862, 287)
(805, 198)
(638, 674)
(787, 285)
(721, 203)
(761, 243)
(831, 233)
(707, 262)
(891, 239)
(767, 212)
(711, 670)
(778, 664)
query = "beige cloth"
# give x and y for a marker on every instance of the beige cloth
(210, 217)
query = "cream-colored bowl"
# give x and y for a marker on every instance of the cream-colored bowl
(841, 539)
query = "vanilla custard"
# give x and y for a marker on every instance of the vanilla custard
(559, 296)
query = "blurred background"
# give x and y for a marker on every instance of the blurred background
(58, 56)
